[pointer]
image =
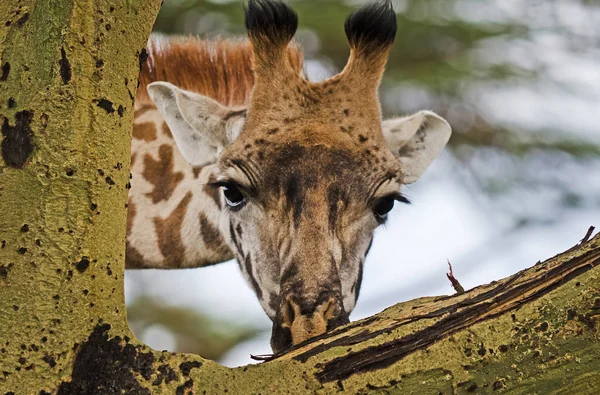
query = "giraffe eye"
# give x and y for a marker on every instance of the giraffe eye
(233, 196)
(383, 207)
(385, 204)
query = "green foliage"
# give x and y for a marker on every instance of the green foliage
(194, 332)
(449, 53)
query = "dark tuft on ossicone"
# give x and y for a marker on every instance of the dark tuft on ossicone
(271, 19)
(372, 26)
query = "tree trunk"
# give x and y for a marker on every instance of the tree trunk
(67, 79)
(68, 75)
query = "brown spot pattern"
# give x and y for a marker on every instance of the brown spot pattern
(131, 211)
(141, 111)
(160, 174)
(213, 192)
(169, 234)
(166, 131)
(196, 171)
(144, 131)
(212, 238)
(133, 258)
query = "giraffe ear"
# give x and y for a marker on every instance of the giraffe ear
(416, 141)
(201, 127)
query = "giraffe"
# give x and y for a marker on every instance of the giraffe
(248, 159)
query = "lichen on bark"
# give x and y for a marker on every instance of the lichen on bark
(58, 151)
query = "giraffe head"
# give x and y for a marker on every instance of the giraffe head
(307, 170)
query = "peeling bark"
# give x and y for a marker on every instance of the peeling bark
(63, 327)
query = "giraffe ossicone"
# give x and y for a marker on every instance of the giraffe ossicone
(290, 177)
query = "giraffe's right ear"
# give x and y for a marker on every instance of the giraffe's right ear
(201, 127)
(416, 141)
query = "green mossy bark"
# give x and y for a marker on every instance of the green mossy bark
(72, 70)
(63, 327)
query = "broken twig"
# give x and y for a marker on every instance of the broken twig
(587, 235)
(263, 357)
(455, 284)
(585, 239)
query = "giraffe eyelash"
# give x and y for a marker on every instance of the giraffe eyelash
(397, 196)
(228, 183)
(401, 198)
(222, 183)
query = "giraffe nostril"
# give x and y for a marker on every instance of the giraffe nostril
(288, 313)
(328, 309)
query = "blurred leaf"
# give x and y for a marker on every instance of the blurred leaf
(194, 332)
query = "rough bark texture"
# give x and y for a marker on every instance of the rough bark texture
(67, 76)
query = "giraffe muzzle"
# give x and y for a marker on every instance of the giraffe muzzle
(299, 321)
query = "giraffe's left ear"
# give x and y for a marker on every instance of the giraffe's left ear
(416, 141)
(201, 127)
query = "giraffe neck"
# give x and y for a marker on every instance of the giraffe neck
(174, 219)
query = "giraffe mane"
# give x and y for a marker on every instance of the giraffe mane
(220, 69)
